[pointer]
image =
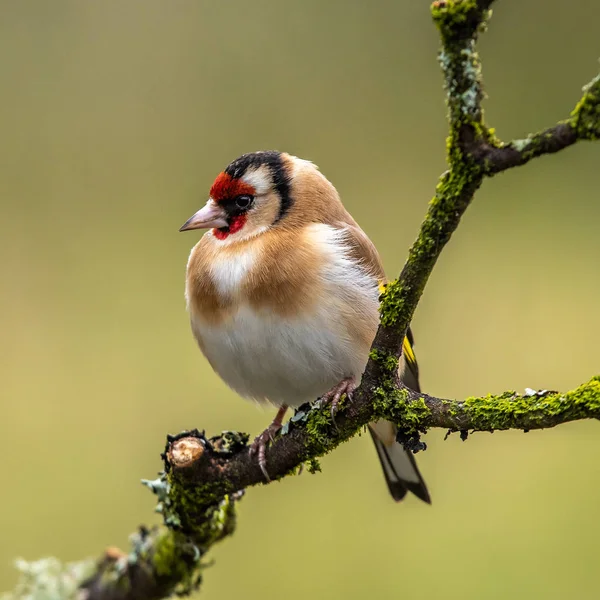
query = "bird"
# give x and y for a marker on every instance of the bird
(283, 296)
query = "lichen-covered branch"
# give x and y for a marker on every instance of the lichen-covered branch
(163, 560)
(532, 410)
(204, 478)
(197, 468)
(582, 124)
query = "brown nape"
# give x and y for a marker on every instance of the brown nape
(313, 198)
(317, 201)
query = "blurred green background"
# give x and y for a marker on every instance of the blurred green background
(115, 118)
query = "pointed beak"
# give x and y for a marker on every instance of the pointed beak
(209, 216)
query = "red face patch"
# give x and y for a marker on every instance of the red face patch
(235, 224)
(226, 187)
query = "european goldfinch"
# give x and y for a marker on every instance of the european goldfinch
(283, 295)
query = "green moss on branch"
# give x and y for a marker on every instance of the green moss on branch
(400, 297)
(512, 411)
(585, 118)
(416, 413)
(204, 511)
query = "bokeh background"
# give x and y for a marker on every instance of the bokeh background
(115, 118)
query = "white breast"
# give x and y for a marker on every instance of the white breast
(290, 360)
(228, 274)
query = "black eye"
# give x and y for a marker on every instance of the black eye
(244, 201)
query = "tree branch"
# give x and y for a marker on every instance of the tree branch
(194, 462)
(582, 124)
(204, 478)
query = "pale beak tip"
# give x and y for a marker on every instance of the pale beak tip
(206, 218)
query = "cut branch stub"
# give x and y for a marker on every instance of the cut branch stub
(184, 452)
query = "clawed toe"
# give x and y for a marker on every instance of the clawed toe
(260, 443)
(333, 396)
(259, 446)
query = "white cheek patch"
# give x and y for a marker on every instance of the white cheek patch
(259, 179)
(229, 272)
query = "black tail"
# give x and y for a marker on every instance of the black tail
(399, 468)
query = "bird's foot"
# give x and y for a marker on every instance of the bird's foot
(333, 396)
(260, 443)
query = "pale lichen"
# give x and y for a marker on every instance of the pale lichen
(50, 579)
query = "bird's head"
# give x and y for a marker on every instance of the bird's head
(259, 191)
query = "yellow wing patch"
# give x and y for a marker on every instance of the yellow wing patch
(407, 350)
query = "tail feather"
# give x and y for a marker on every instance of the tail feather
(399, 466)
(397, 488)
